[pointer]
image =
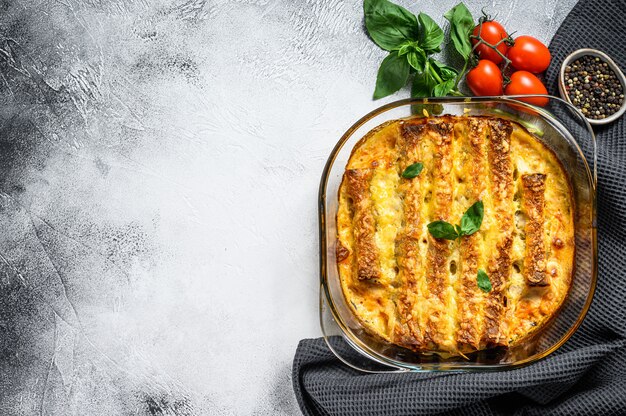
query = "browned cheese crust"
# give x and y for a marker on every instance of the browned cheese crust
(501, 187)
(420, 292)
(408, 331)
(534, 186)
(472, 142)
(364, 226)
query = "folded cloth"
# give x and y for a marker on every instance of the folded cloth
(587, 376)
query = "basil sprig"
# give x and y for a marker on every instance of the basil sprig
(388, 24)
(461, 25)
(437, 80)
(431, 35)
(413, 170)
(410, 42)
(392, 75)
(470, 223)
(482, 280)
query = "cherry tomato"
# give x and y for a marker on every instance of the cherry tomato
(485, 79)
(491, 32)
(529, 54)
(523, 83)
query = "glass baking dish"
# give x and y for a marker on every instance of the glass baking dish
(562, 128)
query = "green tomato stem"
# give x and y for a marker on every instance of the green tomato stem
(480, 40)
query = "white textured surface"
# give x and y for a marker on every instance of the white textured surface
(160, 164)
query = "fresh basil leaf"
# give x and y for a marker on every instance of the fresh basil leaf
(417, 59)
(405, 48)
(457, 227)
(461, 25)
(483, 281)
(472, 219)
(431, 35)
(441, 90)
(392, 75)
(388, 24)
(413, 170)
(444, 71)
(423, 84)
(442, 229)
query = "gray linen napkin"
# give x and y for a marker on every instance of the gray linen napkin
(587, 376)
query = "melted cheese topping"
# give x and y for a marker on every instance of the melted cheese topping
(420, 292)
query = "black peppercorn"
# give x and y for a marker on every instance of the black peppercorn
(593, 87)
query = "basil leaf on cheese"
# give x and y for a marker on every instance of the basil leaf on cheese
(442, 229)
(472, 219)
(413, 170)
(483, 281)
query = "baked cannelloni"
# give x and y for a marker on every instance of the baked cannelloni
(423, 292)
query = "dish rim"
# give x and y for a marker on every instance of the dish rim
(325, 296)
